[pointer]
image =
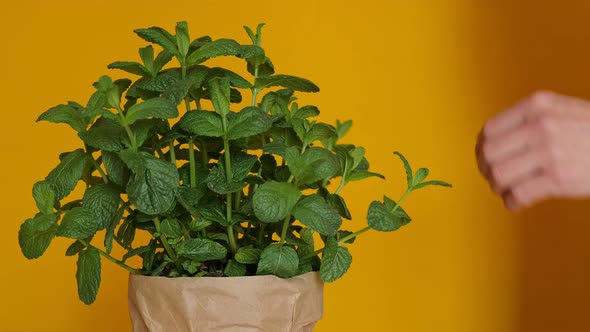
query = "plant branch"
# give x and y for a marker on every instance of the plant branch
(113, 259)
(167, 247)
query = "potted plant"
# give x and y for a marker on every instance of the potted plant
(252, 194)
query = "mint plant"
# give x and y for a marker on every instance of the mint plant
(220, 192)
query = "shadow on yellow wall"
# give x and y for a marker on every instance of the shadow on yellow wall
(529, 45)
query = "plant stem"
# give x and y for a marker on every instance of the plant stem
(191, 156)
(286, 223)
(166, 245)
(229, 178)
(100, 171)
(359, 232)
(343, 180)
(172, 153)
(127, 129)
(113, 259)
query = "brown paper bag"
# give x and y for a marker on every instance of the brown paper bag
(215, 304)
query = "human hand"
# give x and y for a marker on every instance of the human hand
(537, 149)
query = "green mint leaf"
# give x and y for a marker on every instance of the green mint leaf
(361, 175)
(248, 255)
(343, 128)
(251, 34)
(287, 81)
(197, 225)
(64, 114)
(275, 104)
(318, 132)
(315, 213)
(147, 57)
(160, 108)
(273, 201)
(189, 198)
(35, 235)
(191, 266)
(305, 112)
(171, 228)
(44, 197)
(217, 181)
(335, 261)
(103, 200)
(278, 260)
(253, 53)
(65, 176)
(407, 167)
(381, 218)
(201, 250)
(116, 169)
(178, 90)
(219, 90)
(432, 183)
(161, 60)
(219, 47)
(153, 185)
(337, 202)
(202, 123)
(248, 122)
(182, 38)
(420, 175)
(104, 134)
(161, 37)
(75, 248)
(130, 67)
(160, 82)
(313, 165)
(234, 269)
(79, 223)
(235, 80)
(88, 274)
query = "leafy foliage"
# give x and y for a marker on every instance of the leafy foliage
(220, 191)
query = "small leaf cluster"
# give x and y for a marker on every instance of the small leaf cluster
(220, 192)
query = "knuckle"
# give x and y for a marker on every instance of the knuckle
(544, 124)
(542, 97)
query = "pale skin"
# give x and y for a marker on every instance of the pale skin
(537, 149)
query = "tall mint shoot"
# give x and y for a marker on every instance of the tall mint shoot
(220, 192)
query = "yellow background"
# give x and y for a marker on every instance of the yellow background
(418, 76)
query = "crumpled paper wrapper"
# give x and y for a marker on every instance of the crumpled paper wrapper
(216, 304)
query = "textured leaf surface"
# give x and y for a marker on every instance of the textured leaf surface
(315, 213)
(66, 175)
(104, 134)
(79, 223)
(278, 260)
(201, 250)
(287, 81)
(161, 108)
(335, 261)
(249, 122)
(44, 197)
(153, 185)
(88, 275)
(381, 218)
(202, 123)
(213, 49)
(248, 255)
(35, 235)
(103, 200)
(64, 114)
(315, 164)
(273, 201)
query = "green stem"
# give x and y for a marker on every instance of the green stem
(127, 129)
(100, 171)
(172, 154)
(254, 89)
(113, 259)
(261, 233)
(204, 154)
(357, 233)
(166, 245)
(191, 156)
(286, 224)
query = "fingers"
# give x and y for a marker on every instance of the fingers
(506, 175)
(529, 191)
